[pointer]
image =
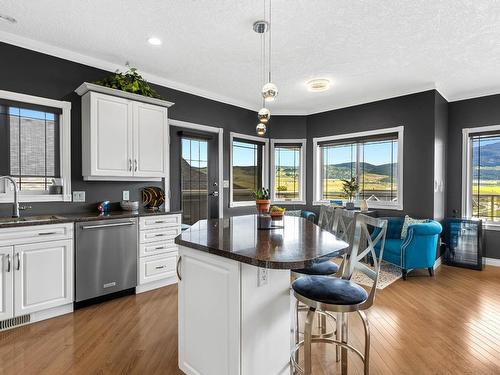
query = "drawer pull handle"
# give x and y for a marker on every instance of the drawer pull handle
(46, 233)
(159, 248)
(159, 235)
(159, 267)
(160, 222)
(177, 268)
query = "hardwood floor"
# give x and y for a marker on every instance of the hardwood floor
(449, 324)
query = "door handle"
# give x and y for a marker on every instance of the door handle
(8, 262)
(18, 261)
(214, 194)
(177, 268)
(108, 225)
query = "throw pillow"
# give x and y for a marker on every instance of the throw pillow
(409, 221)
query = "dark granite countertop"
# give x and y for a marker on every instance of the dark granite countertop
(6, 222)
(297, 245)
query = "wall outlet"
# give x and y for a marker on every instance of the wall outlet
(262, 276)
(78, 196)
(126, 195)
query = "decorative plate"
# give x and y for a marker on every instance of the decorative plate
(153, 197)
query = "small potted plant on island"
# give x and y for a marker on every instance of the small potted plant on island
(277, 212)
(262, 200)
(350, 188)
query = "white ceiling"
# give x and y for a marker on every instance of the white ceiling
(371, 50)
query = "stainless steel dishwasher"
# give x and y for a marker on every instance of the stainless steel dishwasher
(106, 257)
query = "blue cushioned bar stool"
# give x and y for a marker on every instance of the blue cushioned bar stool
(341, 295)
(339, 222)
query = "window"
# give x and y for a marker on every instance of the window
(373, 158)
(482, 173)
(249, 159)
(194, 179)
(34, 147)
(288, 170)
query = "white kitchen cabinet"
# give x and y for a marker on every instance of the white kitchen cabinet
(124, 135)
(43, 276)
(150, 140)
(209, 314)
(36, 275)
(6, 283)
(107, 134)
(157, 251)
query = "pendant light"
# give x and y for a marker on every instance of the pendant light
(269, 90)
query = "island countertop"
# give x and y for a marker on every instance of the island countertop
(297, 245)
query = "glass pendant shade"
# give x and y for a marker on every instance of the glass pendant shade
(269, 91)
(264, 115)
(261, 128)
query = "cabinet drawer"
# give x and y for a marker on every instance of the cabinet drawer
(157, 267)
(159, 221)
(160, 234)
(153, 248)
(36, 233)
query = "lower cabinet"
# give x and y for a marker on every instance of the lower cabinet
(209, 314)
(157, 251)
(6, 283)
(42, 276)
(36, 272)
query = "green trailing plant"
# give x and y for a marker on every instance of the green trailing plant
(129, 81)
(350, 188)
(262, 194)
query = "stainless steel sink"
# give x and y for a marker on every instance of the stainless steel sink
(29, 219)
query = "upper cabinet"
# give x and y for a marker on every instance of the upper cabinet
(123, 138)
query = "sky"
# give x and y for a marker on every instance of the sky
(376, 153)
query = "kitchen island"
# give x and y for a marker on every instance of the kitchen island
(235, 306)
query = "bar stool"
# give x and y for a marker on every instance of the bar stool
(339, 222)
(341, 295)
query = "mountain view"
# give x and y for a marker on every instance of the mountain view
(489, 161)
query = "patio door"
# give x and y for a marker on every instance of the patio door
(194, 174)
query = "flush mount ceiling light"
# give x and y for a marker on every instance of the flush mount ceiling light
(154, 41)
(6, 18)
(318, 84)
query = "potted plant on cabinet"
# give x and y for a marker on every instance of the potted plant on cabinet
(262, 200)
(350, 188)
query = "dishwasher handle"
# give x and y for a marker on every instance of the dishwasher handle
(108, 225)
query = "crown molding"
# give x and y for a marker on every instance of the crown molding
(66, 54)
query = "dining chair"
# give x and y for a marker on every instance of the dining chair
(342, 296)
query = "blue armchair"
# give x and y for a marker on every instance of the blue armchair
(417, 250)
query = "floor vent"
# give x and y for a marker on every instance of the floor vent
(14, 322)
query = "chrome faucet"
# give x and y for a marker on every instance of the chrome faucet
(15, 208)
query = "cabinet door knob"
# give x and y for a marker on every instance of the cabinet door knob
(130, 164)
(18, 261)
(8, 262)
(135, 164)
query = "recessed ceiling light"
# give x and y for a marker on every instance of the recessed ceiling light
(154, 41)
(9, 19)
(318, 84)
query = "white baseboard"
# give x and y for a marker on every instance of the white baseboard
(492, 262)
(438, 262)
(155, 285)
(51, 313)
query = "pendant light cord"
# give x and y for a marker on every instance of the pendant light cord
(270, 39)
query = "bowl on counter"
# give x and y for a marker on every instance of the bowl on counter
(129, 205)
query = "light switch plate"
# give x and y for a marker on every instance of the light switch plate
(226, 184)
(78, 196)
(125, 195)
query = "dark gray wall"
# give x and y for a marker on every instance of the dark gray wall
(416, 113)
(34, 73)
(469, 113)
